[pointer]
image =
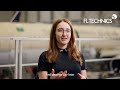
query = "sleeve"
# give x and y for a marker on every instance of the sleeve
(42, 63)
(83, 67)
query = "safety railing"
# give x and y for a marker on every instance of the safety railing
(19, 52)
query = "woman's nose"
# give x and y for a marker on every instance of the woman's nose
(64, 32)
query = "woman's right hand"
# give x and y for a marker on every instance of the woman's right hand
(60, 75)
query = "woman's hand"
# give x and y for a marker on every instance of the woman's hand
(81, 76)
(60, 75)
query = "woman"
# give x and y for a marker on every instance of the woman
(62, 60)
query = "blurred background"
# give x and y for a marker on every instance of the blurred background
(25, 34)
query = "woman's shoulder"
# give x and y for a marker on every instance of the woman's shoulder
(82, 56)
(43, 53)
(42, 56)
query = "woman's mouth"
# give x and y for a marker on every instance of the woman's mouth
(63, 39)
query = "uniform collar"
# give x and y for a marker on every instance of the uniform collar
(63, 50)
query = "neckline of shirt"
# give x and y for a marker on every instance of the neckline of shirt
(61, 50)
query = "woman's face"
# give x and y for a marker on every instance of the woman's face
(63, 34)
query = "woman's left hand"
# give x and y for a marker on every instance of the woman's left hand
(81, 76)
